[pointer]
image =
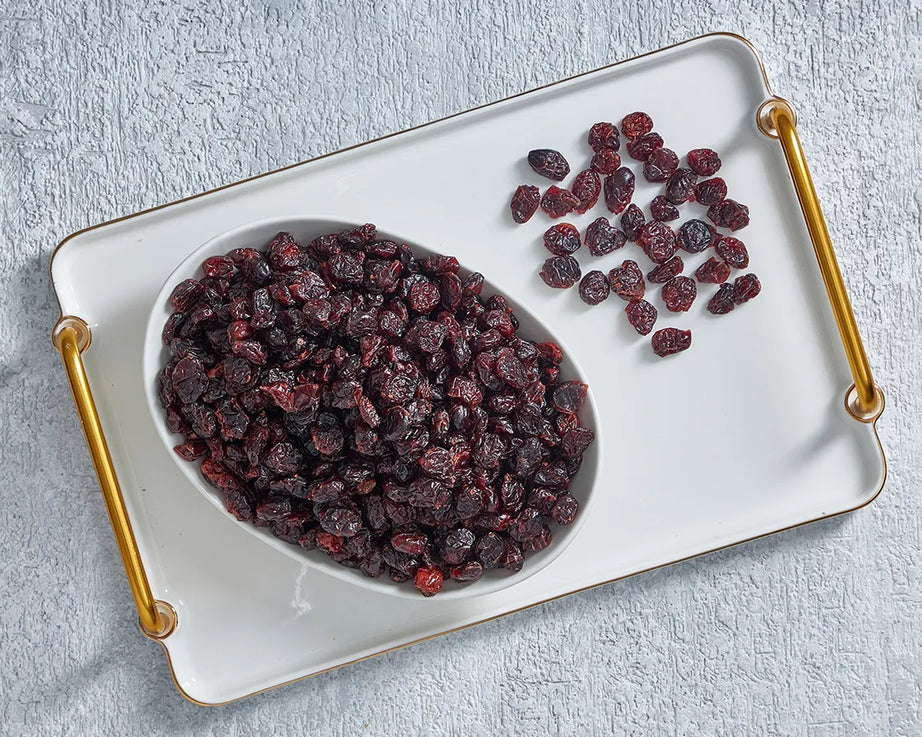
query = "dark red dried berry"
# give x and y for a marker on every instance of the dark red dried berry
(217, 266)
(642, 315)
(632, 220)
(660, 166)
(560, 272)
(619, 189)
(569, 397)
(713, 271)
(746, 287)
(594, 288)
(604, 135)
(470, 571)
(185, 294)
(602, 237)
(733, 251)
(669, 341)
(679, 293)
(428, 580)
(636, 124)
(703, 161)
(723, 301)
(627, 281)
(658, 241)
(641, 148)
(586, 188)
(424, 297)
(681, 186)
(711, 191)
(729, 214)
(549, 163)
(561, 239)
(663, 210)
(605, 161)
(695, 235)
(525, 201)
(564, 510)
(558, 202)
(666, 270)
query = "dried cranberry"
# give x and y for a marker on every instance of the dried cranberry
(636, 124)
(428, 580)
(604, 135)
(746, 287)
(632, 220)
(627, 281)
(723, 301)
(703, 161)
(711, 191)
(660, 165)
(558, 202)
(729, 214)
(565, 509)
(641, 148)
(695, 235)
(663, 210)
(549, 163)
(594, 288)
(602, 237)
(713, 271)
(681, 186)
(642, 315)
(666, 270)
(619, 189)
(733, 251)
(525, 203)
(679, 293)
(658, 241)
(605, 161)
(586, 188)
(569, 397)
(560, 272)
(561, 239)
(668, 341)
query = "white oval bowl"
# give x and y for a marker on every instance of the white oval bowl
(305, 229)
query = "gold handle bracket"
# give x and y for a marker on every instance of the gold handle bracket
(72, 336)
(776, 119)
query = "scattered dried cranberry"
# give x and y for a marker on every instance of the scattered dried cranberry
(586, 188)
(666, 270)
(681, 186)
(561, 239)
(560, 272)
(729, 214)
(723, 301)
(602, 237)
(619, 189)
(627, 281)
(525, 203)
(658, 241)
(632, 220)
(636, 124)
(594, 288)
(604, 135)
(605, 161)
(558, 202)
(713, 271)
(428, 580)
(660, 166)
(642, 147)
(663, 210)
(695, 235)
(733, 251)
(703, 161)
(679, 293)
(711, 191)
(549, 163)
(642, 315)
(746, 287)
(668, 341)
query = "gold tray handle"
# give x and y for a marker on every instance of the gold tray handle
(71, 337)
(776, 119)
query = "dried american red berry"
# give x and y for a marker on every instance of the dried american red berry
(549, 163)
(711, 191)
(703, 161)
(729, 214)
(428, 580)
(642, 315)
(658, 241)
(733, 251)
(746, 287)
(604, 135)
(564, 510)
(619, 189)
(679, 293)
(605, 161)
(666, 270)
(669, 341)
(636, 124)
(723, 301)
(569, 397)
(642, 147)
(560, 272)
(632, 220)
(558, 202)
(695, 235)
(602, 237)
(663, 210)
(713, 271)
(681, 186)
(594, 288)
(660, 166)
(561, 239)
(525, 201)
(627, 281)
(586, 188)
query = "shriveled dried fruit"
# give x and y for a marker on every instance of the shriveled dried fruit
(642, 315)
(428, 580)
(602, 237)
(558, 202)
(632, 220)
(594, 288)
(703, 161)
(642, 147)
(695, 235)
(525, 201)
(663, 210)
(605, 161)
(619, 189)
(660, 165)
(627, 281)
(745, 288)
(733, 251)
(636, 124)
(711, 191)
(729, 214)
(586, 188)
(658, 241)
(604, 135)
(679, 293)
(669, 341)
(569, 397)
(560, 272)
(666, 270)
(723, 301)
(681, 186)
(561, 239)
(549, 163)
(713, 271)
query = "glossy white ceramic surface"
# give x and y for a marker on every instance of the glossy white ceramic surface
(759, 396)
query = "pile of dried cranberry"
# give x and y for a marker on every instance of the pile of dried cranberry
(657, 240)
(351, 397)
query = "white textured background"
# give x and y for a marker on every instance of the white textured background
(106, 109)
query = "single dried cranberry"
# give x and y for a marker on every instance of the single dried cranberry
(424, 297)
(711, 191)
(525, 203)
(713, 271)
(663, 210)
(657, 241)
(668, 341)
(586, 188)
(636, 124)
(632, 220)
(565, 509)
(548, 163)
(490, 550)
(185, 294)
(217, 266)
(660, 166)
(666, 270)
(641, 148)
(642, 315)
(594, 288)
(604, 135)
(703, 161)
(428, 580)
(470, 571)
(569, 397)
(733, 251)
(679, 293)
(561, 239)
(619, 188)
(560, 272)
(627, 281)
(729, 214)
(602, 237)
(723, 301)
(558, 202)
(411, 543)
(695, 235)
(746, 287)
(681, 186)
(605, 161)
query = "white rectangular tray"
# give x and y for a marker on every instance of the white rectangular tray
(744, 435)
